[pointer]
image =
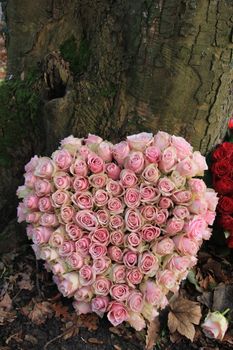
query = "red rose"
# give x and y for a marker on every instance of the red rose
(223, 151)
(230, 123)
(228, 147)
(221, 168)
(224, 185)
(226, 221)
(225, 205)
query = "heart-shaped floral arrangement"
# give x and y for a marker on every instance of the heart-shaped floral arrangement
(118, 225)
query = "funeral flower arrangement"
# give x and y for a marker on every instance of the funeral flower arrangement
(118, 225)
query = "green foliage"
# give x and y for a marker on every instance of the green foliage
(78, 57)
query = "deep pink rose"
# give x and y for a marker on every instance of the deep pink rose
(133, 219)
(120, 151)
(99, 305)
(148, 263)
(164, 247)
(80, 183)
(83, 200)
(45, 168)
(98, 180)
(105, 151)
(102, 286)
(117, 313)
(41, 234)
(113, 171)
(130, 258)
(135, 162)
(95, 163)
(149, 232)
(128, 178)
(117, 237)
(87, 275)
(132, 197)
(60, 198)
(119, 292)
(86, 219)
(140, 141)
(42, 187)
(115, 253)
(135, 301)
(82, 245)
(153, 154)
(74, 232)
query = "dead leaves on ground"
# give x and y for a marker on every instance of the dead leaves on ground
(152, 333)
(38, 312)
(182, 317)
(6, 312)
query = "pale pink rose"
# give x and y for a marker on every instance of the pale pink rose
(82, 246)
(58, 268)
(99, 305)
(82, 308)
(149, 232)
(117, 313)
(130, 258)
(84, 151)
(117, 237)
(116, 222)
(149, 193)
(133, 219)
(83, 200)
(195, 227)
(186, 167)
(23, 191)
(174, 226)
(135, 301)
(162, 140)
(36, 250)
(161, 216)
(95, 163)
(84, 294)
(101, 197)
(164, 247)
(86, 219)
(98, 180)
(128, 178)
(75, 261)
(74, 232)
(133, 239)
(181, 212)
(136, 321)
(31, 202)
(48, 219)
(135, 162)
(45, 204)
(66, 249)
(165, 203)
(62, 181)
(114, 188)
(151, 173)
(60, 198)
(93, 139)
(153, 154)
(42, 187)
(179, 263)
(32, 164)
(178, 180)
(148, 263)
(182, 197)
(119, 273)
(30, 179)
(166, 186)
(119, 292)
(198, 206)
(115, 253)
(57, 237)
(104, 150)
(80, 183)
(101, 265)
(33, 217)
(45, 168)
(140, 141)
(132, 197)
(71, 144)
(183, 148)
(211, 198)
(101, 235)
(41, 234)
(120, 151)
(215, 325)
(152, 292)
(134, 276)
(167, 279)
(148, 212)
(87, 275)
(115, 206)
(79, 167)
(168, 160)
(62, 158)
(200, 162)
(185, 245)
(97, 250)
(103, 217)
(48, 253)
(102, 286)
(197, 186)
(209, 217)
(113, 171)
(29, 230)
(67, 213)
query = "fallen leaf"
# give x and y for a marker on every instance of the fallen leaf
(184, 313)
(61, 311)
(89, 321)
(7, 316)
(152, 333)
(39, 312)
(222, 298)
(6, 302)
(95, 341)
(25, 282)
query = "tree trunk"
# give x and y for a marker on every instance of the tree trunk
(120, 67)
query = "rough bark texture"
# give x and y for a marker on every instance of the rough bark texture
(118, 67)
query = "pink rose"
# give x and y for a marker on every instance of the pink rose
(62, 158)
(130, 259)
(119, 292)
(132, 197)
(197, 186)
(57, 237)
(82, 308)
(115, 206)
(210, 217)
(30, 180)
(115, 253)
(66, 249)
(74, 232)
(98, 180)
(183, 148)
(211, 198)
(186, 167)
(181, 212)
(45, 204)
(178, 180)
(149, 232)
(83, 200)
(32, 164)
(48, 254)
(62, 181)
(164, 247)
(103, 217)
(117, 313)
(84, 151)
(105, 151)
(149, 193)
(113, 171)
(182, 197)
(134, 276)
(79, 167)
(86, 219)
(185, 245)
(133, 240)
(45, 168)
(114, 188)
(128, 178)
(140, 141)
(165, 203)
(67, 213)
(116, 222)
(161, 216)
(148, 263)
(162, 140)
(82, 246)
(174, 226)
(133, 219)
(23, 191)
(33, 217)
(198, 206)
(215, 325)
(75, 261)
(195, 227)
(48, 219)
(31, 202)
(151, 173)
(136, 321)
(58, 268)
(41, 234)
(80, 183)
(153, 293)
(166, 186)
(97, 250)
(101, 198)
(120, 151)
(71, 144)
(148, 212)
(101, 235)
(84, 294)
(29, 230)
(168, 160)
(69, 284)
(99, 305)
(119, 273)
(117, 237)
(153, 154)
(95, 163)
(135, 301)
(87, 275)
(135, 162)
(179, 263)
(167, 279)
(93, 139)
(102, 286)
(200, 162)
(101, 265)
(60, 198)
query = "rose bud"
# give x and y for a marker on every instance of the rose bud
(149, 193)
(165, 203)
(130, 259)
(45, 204)
(101, 235)
(195, 227)
(33, 217)
(128, 178)
(84, 151)
(151, 173)
(166, 186)
(178, 180)
(31, 202)
(161, 216)
(117, 238)
(148, 212)
(132, 197)
(133, 219)
(103, 217)
(66, 249)
(69, 284)
(168, 160)
(133, 240)
(97, 250)
(187, 167)
(99, 305)
(98, 180)
(134, 276)
(102, 286)
(115, 206)
(197, 186)
(62, 159)
(117, 313)
(48, 253)
(140, 141)
(101, 198)
(82, 246)
(74, 232)
(215, 325)
(182, 197)
(181, 212)
(66, 214)
(113, 171)
(116, 222)
(114, 188)
(83, 200)
(120, 151)
(86, 219)
(119, 292)
(81, 307)
(200, 162)
(135, 162)
(59, 267)
(45, 168)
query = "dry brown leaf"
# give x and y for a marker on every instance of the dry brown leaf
(95, 341)
(7, 316)
(61, 311)
(89, 321)
(6, 302)
(25, 282)
(184, 313)
(39, 312)
(152, 333)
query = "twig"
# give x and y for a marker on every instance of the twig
(59, 336)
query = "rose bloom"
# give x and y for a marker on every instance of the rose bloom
(31, 202)
(95, 163)
(66, 248)
(82, 245)
(198, 206)
(120, 151)
(45, 168)
(195, 227)
(99, 305)
(86, 219)
(62, 181)
(149, 232)
(113, 171)
(98, 180)
(115, 253)
(162, 140)
(100, 235)
(118, 273)
(168, 160)
(59, 267)
(103, 217)
(149, 193)
(135, 301)
(133, 239)
(115, 206)
(226, 221)
(92, 139)
(45, 204)
(101, 265)
(114, 188)
(71, 144)
(82, 308)
(42, 187)
(83, 200)
(31, 165)
(200, 162)
(148, 263)
(180, 263)
(215, 325)
(87, 275)
(119, 292)
(140, 141)
(84, 294)
(80, 183)
(161, 216)
(224, 185)
(166, 186)
(97, 250)
(74, 232)
(151, 173)
(41, 234)
(30, 179)
(67, 213)
(164, 247)
(60, 198)
(133, 219)
(117, 313)
(102, 286)
(130, 259)
(135, 162)
(84, 151)
(75, 260)
(165, 203)
(167, 279)
(181, 212)
(48, 219)
(69, 284)
(187, 167)
(79, 167)
(152, 292)
(116, 222)
(178, 180)
(62, 159)
(153, 154)
(182, 197)
(101, 197)
(117, 237)
(132, 197)
(197, 186)
(183, 148)
(134, 276)
(57, 237)
(128, 178)
(211, 199)
(174, 226)
(33, 217)
(105, 151)
(148, 212)
(185, 245)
